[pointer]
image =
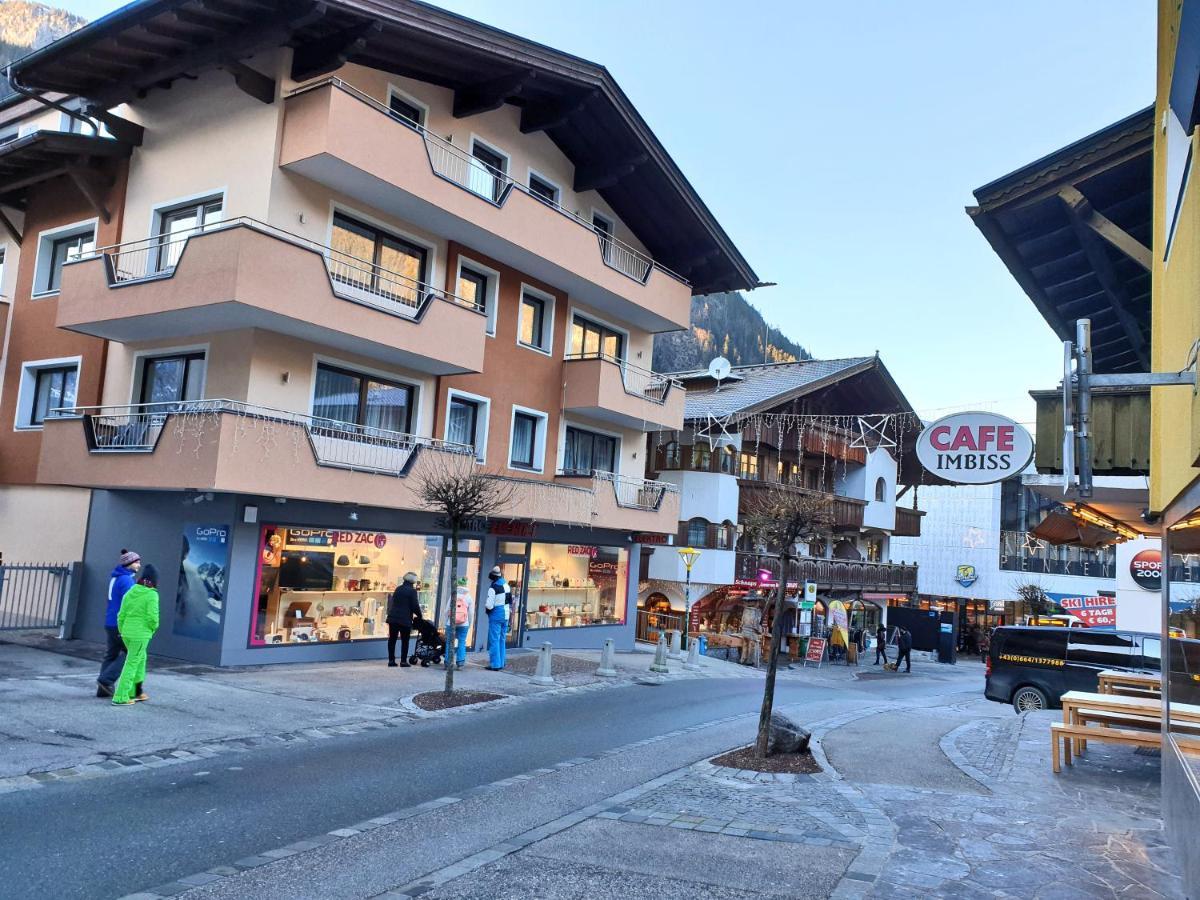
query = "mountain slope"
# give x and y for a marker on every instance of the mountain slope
(26, 26)
(724, 325)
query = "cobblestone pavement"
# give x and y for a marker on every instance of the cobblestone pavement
(988, 746)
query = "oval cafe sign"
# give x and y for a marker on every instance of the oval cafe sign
(974, 448)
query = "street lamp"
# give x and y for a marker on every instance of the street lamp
(688, 556)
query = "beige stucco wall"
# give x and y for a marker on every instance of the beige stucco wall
(40, 523)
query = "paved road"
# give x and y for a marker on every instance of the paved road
(111, 836)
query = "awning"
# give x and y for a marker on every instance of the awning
(1063, 528)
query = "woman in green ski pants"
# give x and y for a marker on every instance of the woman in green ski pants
(137, 621)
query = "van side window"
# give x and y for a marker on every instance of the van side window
(1152, 654)
(1038, 643)
(1102, 649)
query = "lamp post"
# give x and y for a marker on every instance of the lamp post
(688, 556)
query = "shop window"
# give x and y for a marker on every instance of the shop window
(701, 457)
(880, 489)
(376, 262)
(748, 466)
(319, 585)
(172, 379)
(588, 451)
(534, 327)
(590, 340)
(56, 249)
(572, 585)
(46, 386)
(356, 399)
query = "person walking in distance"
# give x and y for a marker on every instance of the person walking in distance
(462, 621)
(404, 608)
(137, 622)
(881, 644)
(120, 581)
(497, 613)
(904, 641)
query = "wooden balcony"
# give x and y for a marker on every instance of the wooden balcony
(829, 574)
(908, 522)
(847, 511)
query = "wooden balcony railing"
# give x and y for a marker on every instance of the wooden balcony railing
(908, 522)
(847, 511)
(829, 574)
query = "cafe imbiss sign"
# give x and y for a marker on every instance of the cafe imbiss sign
(974, 448)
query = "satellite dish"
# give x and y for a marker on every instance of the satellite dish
(719, 369)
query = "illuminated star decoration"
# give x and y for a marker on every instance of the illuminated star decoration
(713, 430)
(974, 538)
(1033, 544)
(873, 432)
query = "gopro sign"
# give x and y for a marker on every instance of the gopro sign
(974, 448)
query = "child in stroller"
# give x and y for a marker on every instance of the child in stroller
(431, 646)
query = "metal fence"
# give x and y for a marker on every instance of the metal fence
(651, 624)
(635, 493)
(33, 595)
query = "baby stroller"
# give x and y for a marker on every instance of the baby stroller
(431, 646)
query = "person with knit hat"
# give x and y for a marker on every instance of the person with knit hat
(119, 583)
(403, 609)
(137, 621)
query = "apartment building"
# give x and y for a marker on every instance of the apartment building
(317, 256)
(822, 427)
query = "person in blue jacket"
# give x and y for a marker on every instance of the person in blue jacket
(122, 579)
(499, 597)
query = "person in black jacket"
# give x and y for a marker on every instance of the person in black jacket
(403, 609)
(905, 643)
(881, 644)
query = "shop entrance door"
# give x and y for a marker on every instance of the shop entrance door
(514, 568)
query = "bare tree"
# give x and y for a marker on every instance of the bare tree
(1033, 595)
(454, 486)
(783, 521)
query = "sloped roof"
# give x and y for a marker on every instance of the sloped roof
(765, 385)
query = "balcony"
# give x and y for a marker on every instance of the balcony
(829, 574)
(346, 140)
(908, 522)
(233, 447)
(614, 391)
(246, 274)
(847, 511)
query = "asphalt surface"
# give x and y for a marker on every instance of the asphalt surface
(112, 836)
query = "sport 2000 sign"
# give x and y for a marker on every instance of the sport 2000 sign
(974, 448)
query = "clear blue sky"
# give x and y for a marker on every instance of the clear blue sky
(838, 144)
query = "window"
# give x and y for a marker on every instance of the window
(487, 177)
(728, 461)
(466, 423)
(524, 444)
(60, 251)
(572, 585)
(701, 457)
(344, 396)
(54, 388)
(749, 466)
(880, 489)
(591, 339)
(405, 110)
(171, 379)
(727, 537)
(604, 231)
(587, 451)
(175, 225)
(479, 285)
(533, 328)
(1101, 649)
(369, 258)
(472, 286)
(697, 533)
(543, 189)
(671, 455)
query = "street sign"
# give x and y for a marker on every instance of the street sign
(975, 448)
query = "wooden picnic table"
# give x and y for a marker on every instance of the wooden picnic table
(1135, 684)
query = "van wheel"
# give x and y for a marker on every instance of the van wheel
(1029, 698)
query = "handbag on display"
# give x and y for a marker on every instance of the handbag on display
(343, 560)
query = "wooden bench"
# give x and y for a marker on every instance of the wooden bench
(1065, 734)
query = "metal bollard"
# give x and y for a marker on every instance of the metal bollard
(545, 666)
(608, 663)
(660, 656)
(674, 645)
(693, 660)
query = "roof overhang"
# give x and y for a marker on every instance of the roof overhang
(43, 155)
(149, 44)
(1074, 229)
(1120, 498)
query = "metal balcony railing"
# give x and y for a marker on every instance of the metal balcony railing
(830, 574)
(634, 493)
(350, 277)
(638, 382)
(137, 428)
(460, 167)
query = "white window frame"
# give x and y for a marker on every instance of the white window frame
(159, 209)
(27, 387)
(488, 145)
(579, 425)
(539, 439)
(482, 421)
(139, 366)
(531, 173)
(394, 91)
(492, 300)
(601, 214)
(573, 310)
(357, 369)
(45, 242)
(547, 319)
